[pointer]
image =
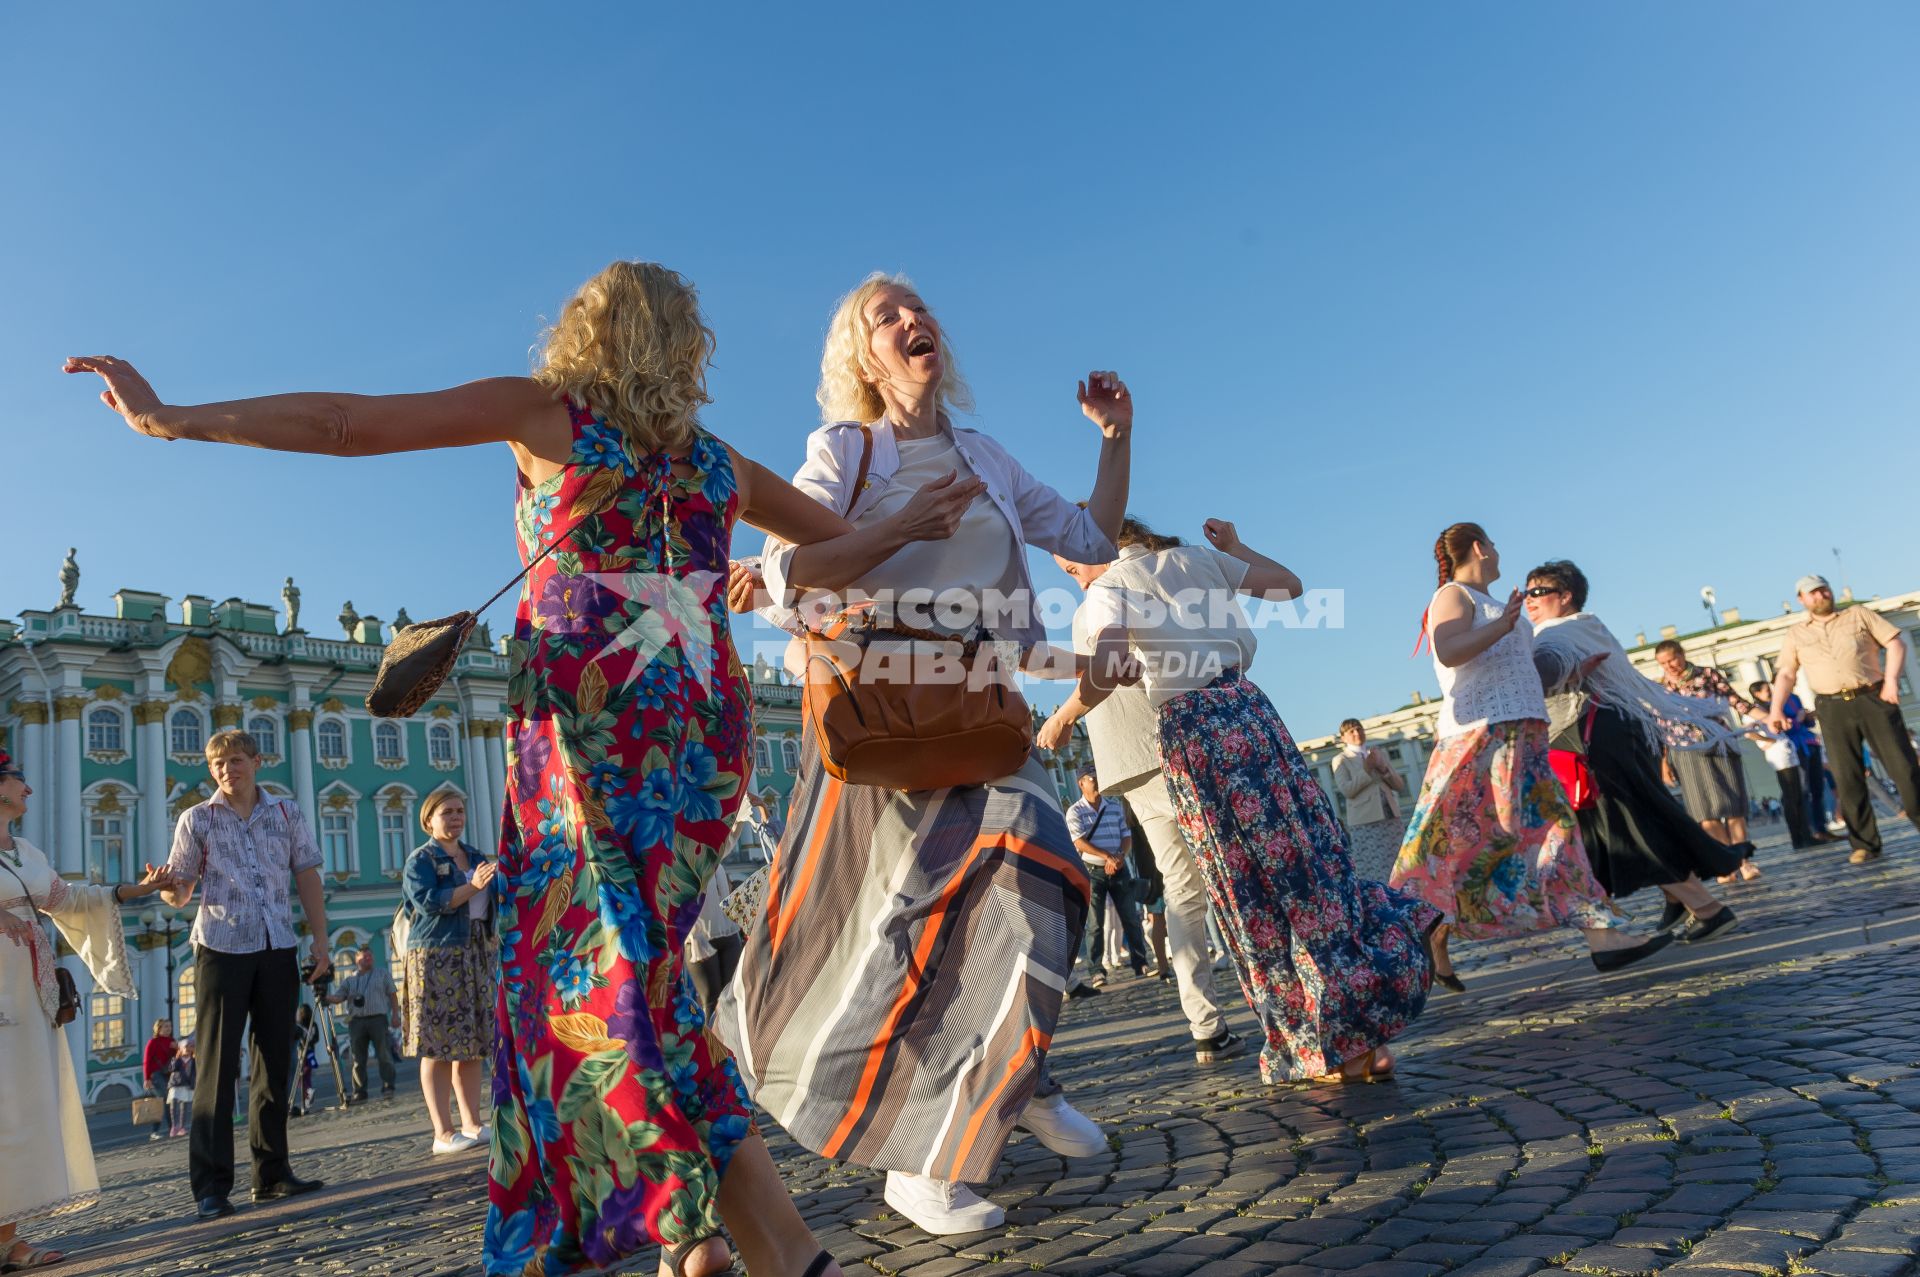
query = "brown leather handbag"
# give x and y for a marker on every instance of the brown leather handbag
(900, 708)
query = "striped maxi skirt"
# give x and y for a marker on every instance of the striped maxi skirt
(898, 993)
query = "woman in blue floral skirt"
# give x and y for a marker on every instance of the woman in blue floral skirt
(1334, 966)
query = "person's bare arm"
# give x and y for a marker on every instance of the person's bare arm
(313, 903)
(1456, 640)
(513, 410)
(1896, 660)
(832, 553)
(1784, 677)
(1105, 400)
(1109, 667)
(1265, 578)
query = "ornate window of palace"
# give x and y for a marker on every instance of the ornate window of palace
(339, 849)
(389, 744)
(790, 755)
(266, 733)
(106, 730)
(396, 828)
(440, 745)
(762, 754)
(108, 1021)
(185, 1013)
(330, 741)
(186, 732)
(109, 834)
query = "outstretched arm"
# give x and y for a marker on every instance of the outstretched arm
(1105, 400)
(1111, 666)
(830, 552)
(512, 410)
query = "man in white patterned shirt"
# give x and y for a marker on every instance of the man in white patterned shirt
(242, 848)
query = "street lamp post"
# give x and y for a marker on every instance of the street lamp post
(161, 922)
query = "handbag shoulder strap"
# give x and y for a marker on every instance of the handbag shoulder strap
(860, 476)
(34, 904)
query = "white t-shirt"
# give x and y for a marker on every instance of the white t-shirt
(982, 553)
(1181, 610)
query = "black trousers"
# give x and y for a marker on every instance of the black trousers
(1866, 719)
(365, 1031)
(1121, 891)
(232, 990)
(1793, 806)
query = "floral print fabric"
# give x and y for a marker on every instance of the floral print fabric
(615, 1112)
(1493, 843)
(1332, 964)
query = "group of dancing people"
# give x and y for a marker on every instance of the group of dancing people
(897, 994)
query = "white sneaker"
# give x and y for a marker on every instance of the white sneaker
(941, 1206)
(458, 1142)
(1062, 1127)
(480, 1134)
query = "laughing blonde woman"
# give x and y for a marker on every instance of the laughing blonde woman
(894, 1006)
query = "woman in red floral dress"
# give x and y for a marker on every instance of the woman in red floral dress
(619, 1123)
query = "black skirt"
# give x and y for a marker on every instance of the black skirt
(1637, 834)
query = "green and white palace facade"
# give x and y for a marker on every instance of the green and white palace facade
(108, 716)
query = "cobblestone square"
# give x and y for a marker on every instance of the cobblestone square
(1749, 1106)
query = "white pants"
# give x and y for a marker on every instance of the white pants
(1152, 805)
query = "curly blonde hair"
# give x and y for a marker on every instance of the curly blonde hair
(844, 394)
(633, 346)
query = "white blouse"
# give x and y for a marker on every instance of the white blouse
(1035, 513)
(1500, 685)
(1181, 610)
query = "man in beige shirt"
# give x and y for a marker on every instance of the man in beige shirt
(1852, 658)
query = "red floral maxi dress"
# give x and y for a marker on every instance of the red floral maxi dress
(615, 1112)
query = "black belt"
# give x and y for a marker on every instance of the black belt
(1865, 689)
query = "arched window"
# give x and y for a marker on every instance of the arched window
(387, 745)
(107, 1021)
(107, 843)
(440, 745)
(339, 853)
(762, 754)
(185, 733)
(266, 733)
(330, 740)
(185, 1015)
(106, 731)
(396, 828)
(790, 754)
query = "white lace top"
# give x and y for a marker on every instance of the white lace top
(1498, 686)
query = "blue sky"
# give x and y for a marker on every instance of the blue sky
(1631, 283)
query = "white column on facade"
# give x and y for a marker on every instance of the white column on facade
(69, 828)
(150, 757)
(480, 799)
(495, 748)
(300, 757)
(32, 748)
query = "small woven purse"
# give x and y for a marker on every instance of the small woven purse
(421, 655)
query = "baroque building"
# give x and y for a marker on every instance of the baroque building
(108, 716)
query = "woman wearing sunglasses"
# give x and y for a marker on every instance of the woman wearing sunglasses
(1493, 843)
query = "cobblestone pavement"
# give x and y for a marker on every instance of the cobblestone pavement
(1752, 1106)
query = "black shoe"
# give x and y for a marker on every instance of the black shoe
(385, 1092)
(1699, 929)
(1671, 915)
(288, 1187)
(1615, 959)
(1083, 990)
(1224, 1045)
(213, 1207)
(359, 1097)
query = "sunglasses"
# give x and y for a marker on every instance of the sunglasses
(1541, 591)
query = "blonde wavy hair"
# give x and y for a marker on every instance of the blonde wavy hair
(845, 394)
(633, 346)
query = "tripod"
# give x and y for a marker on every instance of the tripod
(323, 1019)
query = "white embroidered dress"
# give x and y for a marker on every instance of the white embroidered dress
(46, 1158)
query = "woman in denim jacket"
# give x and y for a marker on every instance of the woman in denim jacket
(448, 993)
